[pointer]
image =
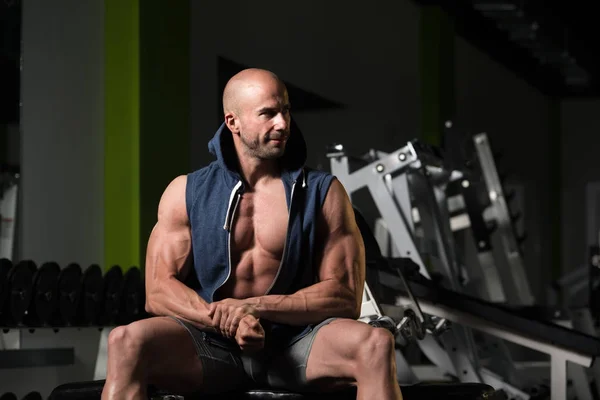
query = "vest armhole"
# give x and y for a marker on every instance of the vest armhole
(189, 194)
(324, 185)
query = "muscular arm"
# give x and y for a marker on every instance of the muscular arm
(341, 271)
(168, 259)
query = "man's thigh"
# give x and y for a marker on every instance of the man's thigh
(288, 368)
(325, 359)
(206, 366)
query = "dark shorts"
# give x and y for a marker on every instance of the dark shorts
(226, 368)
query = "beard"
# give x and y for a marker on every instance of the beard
(256, 148)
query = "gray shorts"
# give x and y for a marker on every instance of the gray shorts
(226, 368)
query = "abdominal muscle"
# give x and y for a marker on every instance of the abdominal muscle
(257, 244)
(251, 277)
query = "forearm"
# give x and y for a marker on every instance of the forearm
(310, 305)
(171, 297)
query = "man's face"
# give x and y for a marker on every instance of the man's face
(265, 121)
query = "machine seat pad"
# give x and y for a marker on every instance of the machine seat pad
(92, 390)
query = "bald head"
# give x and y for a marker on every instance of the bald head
(244, 85)
(257, 112)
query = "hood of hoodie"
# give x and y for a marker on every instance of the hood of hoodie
(292, 161)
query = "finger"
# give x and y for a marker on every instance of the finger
(260, 330)
(234, 321)
(252, 321)
(229, 322)
(215, 316)
(242, 327)
(243, 331)
(211, 309)
(248, 339)
(233, 326)
(223, 323)
(255, 326)
(216, 319)
(252, 335)
(248, 322)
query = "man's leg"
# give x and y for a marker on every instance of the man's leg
(162, 352)
(352, 351)
(157, 348)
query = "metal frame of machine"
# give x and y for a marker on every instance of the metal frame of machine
(388, 182)
(413, 172)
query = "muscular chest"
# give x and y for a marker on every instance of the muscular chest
(260, 223)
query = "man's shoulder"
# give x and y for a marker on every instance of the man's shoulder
(315, 171)
(320, 184)
(202, 180)
(199, 175)
(317, 176)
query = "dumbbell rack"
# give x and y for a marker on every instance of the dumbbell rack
(15, 352)
(55, 321)
(42, 358)
(33, 395)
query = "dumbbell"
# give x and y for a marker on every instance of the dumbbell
(5, 266)
(43, 308)
(8, 396)
(113, 287)
(91, 297)
(19, 283)
(132, 298)
(32, 396)
(69, 287)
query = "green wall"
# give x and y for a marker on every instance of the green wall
(122, 133)
(146, 120)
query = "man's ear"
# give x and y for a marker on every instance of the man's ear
(232, 122)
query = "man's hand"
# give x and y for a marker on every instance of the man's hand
(250, 335)
(227, 314)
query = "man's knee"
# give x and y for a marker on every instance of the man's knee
(125, 342)
(376, 347)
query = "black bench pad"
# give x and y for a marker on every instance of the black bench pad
(453, 391)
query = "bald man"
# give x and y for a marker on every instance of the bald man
(254, 271)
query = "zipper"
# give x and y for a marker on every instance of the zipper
(218, 343)
(235, 199)
(287, 234)
(232, 196)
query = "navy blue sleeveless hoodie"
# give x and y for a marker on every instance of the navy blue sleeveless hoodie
(212, 195)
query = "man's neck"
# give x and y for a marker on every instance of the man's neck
(254, 171)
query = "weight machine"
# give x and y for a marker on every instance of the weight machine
(415, 173)
(388, 178)
(579, 289)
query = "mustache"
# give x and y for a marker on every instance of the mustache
(278, 136)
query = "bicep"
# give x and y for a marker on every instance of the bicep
(342, 255)
(169, 245)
